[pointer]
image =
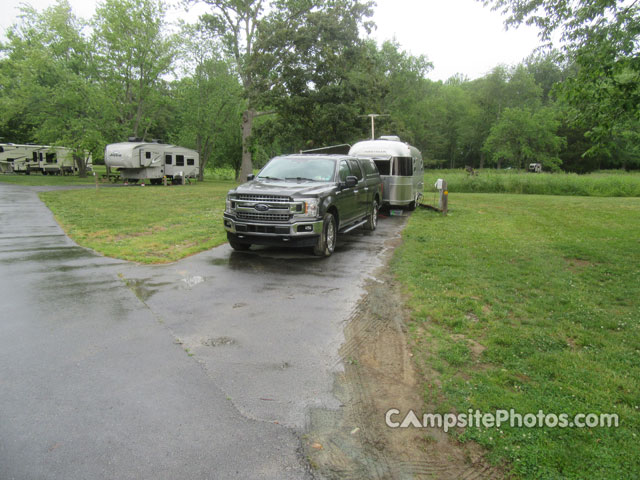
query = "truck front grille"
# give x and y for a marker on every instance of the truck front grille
(265, 217)
(263, 198)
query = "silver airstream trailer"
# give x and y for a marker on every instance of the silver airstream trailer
(400, 166)
(141, 160)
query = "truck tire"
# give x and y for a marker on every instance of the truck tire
(327, 241)
(372, 218)
(237, 244)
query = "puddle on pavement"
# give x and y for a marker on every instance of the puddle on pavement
(190, 282)
(143, 289)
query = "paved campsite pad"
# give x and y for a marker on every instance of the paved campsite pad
(223, 365)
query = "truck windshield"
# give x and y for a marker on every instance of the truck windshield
(299, 169)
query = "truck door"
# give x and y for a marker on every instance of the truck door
(346, 197)
(361, 191)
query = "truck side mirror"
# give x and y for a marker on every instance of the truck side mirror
(351, 181)
(250, 177)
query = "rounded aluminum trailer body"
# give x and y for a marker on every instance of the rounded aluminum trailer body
(403, 183)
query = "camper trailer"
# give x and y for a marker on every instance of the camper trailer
(58, 160)
(141, 160)
(15, 158)
(400, 166)
(43, 159)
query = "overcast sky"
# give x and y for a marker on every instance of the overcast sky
(458, 36)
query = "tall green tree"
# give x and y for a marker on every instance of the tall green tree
(49, 93)
(282, 48)
(208, 102)
(132, 53)
(521, 137)
(600, 37)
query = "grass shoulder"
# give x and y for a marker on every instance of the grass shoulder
(530, 302)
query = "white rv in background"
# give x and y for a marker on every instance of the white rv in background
(400, 166)
(150, 160)
(45, 159)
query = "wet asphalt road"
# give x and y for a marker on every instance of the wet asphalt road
(205, 368)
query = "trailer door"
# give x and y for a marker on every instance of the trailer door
(149, 156)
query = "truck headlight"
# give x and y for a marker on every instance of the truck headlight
(310, 207)
(227, 208)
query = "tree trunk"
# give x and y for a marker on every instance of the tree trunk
(246, 167)
(82, 166)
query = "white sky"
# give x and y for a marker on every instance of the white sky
(458, 36)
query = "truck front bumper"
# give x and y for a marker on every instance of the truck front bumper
(301, 233)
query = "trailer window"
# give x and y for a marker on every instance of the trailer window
(384, 166)
(41, 157)
(35, 156)
(190, 161)
(168, 159)
(51, 157)
(403, 166)
(179, 160)
(147, 154)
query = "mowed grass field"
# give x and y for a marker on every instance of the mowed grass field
(531, 303)
(151, 224)
(612, 183)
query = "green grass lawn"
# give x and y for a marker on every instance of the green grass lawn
(615, 183)
(151, 224)
(531, 303)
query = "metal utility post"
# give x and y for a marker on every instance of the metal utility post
(373, 117)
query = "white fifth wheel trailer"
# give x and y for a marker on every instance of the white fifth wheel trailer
(149, 160)
(400, 166)
(45, 159)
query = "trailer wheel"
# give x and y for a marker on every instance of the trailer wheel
(372, 219)
(327, 241)
(236, 244)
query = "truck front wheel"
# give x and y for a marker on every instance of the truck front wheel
(327, 241)
(237, 244)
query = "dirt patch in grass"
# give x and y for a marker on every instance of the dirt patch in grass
(355, 442)
(576, 265)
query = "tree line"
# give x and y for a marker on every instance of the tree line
(256, 78)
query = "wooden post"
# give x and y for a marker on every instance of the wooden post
(444, 198)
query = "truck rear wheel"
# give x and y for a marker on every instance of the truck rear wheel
(327, 241)
(236, 244)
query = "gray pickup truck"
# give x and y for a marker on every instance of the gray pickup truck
(304, 200)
